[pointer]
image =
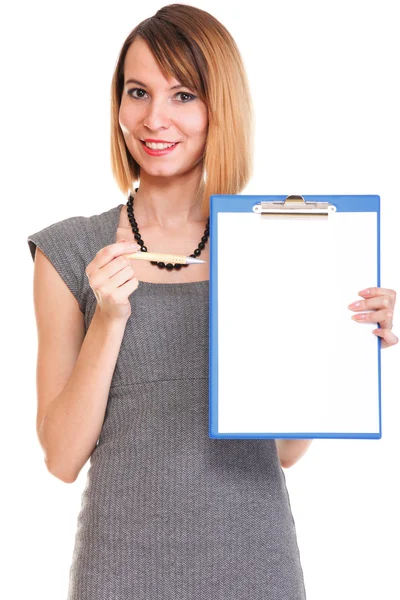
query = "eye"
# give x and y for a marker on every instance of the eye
(135, 90)
(189, 97)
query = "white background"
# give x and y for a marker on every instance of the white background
(324, 80)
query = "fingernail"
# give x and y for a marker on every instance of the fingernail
(136, 246)
(354, 305)
(365, 292)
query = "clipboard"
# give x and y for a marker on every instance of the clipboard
(285, 358)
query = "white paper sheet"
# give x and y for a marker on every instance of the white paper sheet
(290, 358)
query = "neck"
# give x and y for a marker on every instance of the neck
(168, 202)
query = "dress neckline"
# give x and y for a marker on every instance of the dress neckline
(115, 223)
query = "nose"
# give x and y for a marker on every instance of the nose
(157, 115)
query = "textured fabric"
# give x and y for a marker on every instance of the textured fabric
(168, 513)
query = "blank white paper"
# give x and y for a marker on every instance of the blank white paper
(290, 358)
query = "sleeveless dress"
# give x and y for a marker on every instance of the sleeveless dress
(168, 513)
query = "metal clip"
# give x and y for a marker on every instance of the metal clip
(294, 205)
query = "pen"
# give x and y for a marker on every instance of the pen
(166, 258)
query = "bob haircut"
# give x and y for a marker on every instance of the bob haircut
(191, 45)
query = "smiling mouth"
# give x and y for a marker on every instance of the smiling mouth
(170, 143)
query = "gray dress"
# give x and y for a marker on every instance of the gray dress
(168, 513)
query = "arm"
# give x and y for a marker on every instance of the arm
(290, 451)
(74, 373)
(71, 426)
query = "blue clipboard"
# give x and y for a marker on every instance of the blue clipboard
(271, 380)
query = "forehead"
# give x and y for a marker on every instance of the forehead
(141, 64)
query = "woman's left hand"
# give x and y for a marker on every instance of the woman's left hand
(383, 302)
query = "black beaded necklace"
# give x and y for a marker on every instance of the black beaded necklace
(143, 248)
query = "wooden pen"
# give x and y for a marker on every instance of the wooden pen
(166, 258)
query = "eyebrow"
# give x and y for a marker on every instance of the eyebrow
(174, 87)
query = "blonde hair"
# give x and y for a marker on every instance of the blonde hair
(194, 47)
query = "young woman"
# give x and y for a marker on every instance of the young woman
(167, 513)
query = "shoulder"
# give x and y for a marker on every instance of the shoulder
(81, 235)
(59, 236)
(70, 245)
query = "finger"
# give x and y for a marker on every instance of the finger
(384, 317)
(106, 254)
(372, 303)
(377, 291)
(387, 336)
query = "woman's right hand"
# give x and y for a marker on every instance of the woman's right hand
(111, 277)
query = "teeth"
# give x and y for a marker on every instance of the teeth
(158, 146)
(155, 146)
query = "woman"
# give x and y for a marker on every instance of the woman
(167, 513)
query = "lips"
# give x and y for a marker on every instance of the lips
(160, 152)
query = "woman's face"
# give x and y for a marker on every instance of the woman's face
(151, 109)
